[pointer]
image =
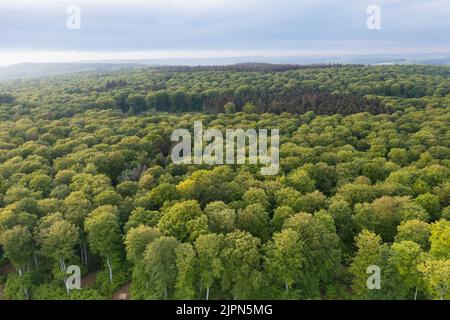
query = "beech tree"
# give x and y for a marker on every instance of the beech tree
(255, 220)
(76, 209)
(284, 258)
(300, 181)
(57, 239)
(229, 108)
(221, 219)
(241, 260)
(414, 230)
(406, 257)
(136, 102)
(17, 246)
(160, 266)
(369, 254)
(104, 235)
(210, 265)
(184, 220)
(141, 216)
(322, 253)
(186, 262)
(440, 241)
(136, 241)
(436, 274)
(281, 214)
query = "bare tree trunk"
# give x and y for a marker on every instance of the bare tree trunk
(25, 290)
(287, 287)
(415, 294)
(35, 260)
(66, 285)
(64, 265)
(110, 270)
(63, 268)
(207, 293)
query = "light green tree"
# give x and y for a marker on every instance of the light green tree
(436, 274)
(284, 258)
(210, 266)
(160, 266)
(104, 234)
(186, 262)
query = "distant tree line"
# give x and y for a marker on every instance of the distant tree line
(252, 67)
(323, 89)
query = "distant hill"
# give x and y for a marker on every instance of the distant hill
(36, 70)
(436, 61)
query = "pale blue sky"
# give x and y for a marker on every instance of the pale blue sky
(221, 26)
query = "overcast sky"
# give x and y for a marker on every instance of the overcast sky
(110, 28)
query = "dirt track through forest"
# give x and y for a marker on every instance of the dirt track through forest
(123, 293)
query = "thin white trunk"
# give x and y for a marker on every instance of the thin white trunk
(35, 260)
(66, 284)
(287, 287)
(415, 294)
(63, 268)
(207, 293)
(25, 290)
(110, 270)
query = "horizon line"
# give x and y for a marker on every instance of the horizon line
(14, 57)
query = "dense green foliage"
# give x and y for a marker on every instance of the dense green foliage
(86, 178)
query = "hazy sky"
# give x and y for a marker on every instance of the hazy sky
(110, 28)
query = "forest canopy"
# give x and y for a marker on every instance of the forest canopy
(86, 179)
